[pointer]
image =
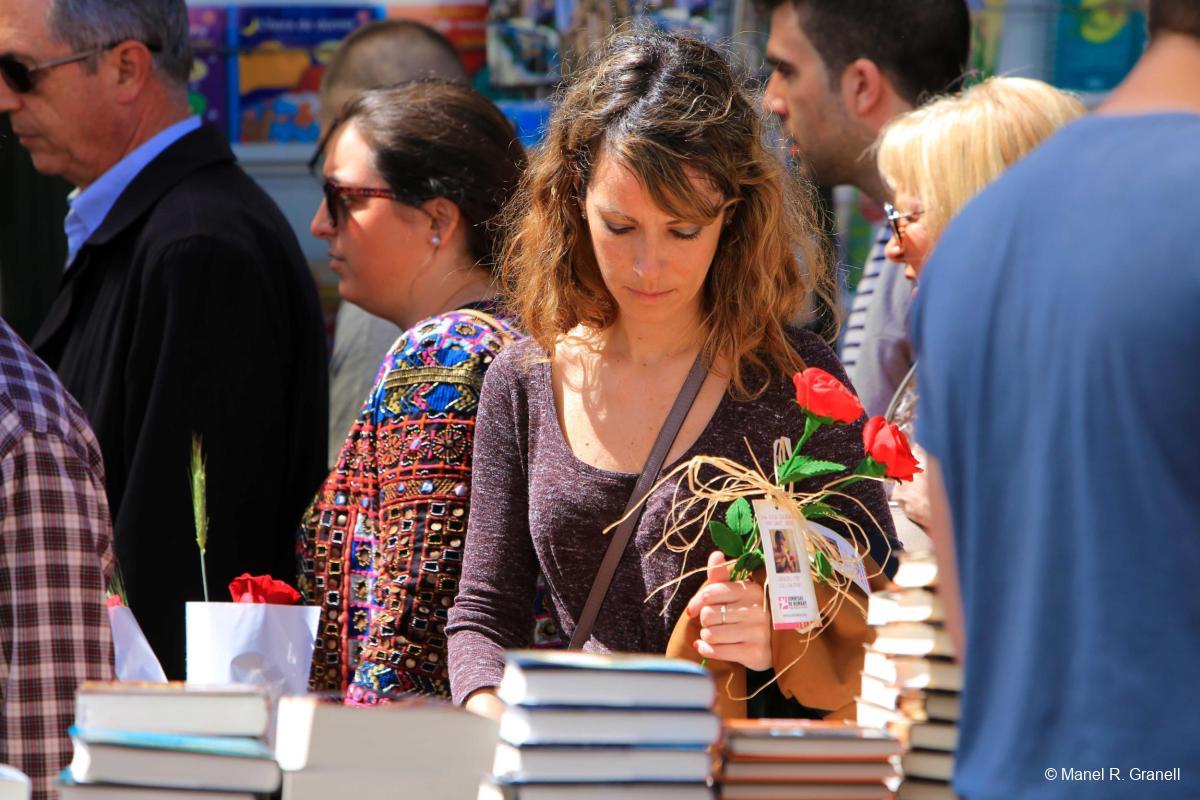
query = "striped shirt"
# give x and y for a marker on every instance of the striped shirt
(852, 338)
(56, 559)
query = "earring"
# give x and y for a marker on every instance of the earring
(436, 241)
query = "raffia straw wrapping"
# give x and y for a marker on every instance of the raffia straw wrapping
(726, 482)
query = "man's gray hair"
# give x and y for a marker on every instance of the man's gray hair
(163, 24)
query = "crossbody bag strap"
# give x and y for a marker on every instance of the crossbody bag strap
(658, 454)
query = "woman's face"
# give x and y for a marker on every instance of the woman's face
(377, 246)
(912, 244)
(653, 264)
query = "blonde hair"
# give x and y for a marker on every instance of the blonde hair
(668, 108)
(945, 152)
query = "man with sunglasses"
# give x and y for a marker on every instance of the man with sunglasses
(185, 307)
(841, 70)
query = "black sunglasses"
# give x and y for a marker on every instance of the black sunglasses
(336, 194)
(21, 77)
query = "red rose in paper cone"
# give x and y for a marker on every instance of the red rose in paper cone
(887, 444)
(823, 395)
(247, 588)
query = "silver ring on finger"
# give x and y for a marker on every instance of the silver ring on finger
(724, 612)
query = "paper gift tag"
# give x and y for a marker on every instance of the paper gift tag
(850, 564)
(789, 578)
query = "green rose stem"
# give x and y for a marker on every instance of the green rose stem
(811, 425)
(200, 507)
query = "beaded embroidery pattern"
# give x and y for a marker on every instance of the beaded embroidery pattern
(381, 546)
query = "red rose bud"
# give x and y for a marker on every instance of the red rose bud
(823, 395)
(247, 588)
(114, 601)
(887, 445)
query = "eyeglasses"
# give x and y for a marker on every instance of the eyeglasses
(21, 77)
(336, 194)
(899, 219)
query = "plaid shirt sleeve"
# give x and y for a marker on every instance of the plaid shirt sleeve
(55, 561)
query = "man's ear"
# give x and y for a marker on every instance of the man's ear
(131, 63)
(865, 89)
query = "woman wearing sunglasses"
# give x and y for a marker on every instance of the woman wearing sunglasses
(935, 159)
(413, 177)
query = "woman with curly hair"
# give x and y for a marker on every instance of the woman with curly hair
(653, 234)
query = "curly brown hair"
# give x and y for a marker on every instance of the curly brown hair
(668, 107)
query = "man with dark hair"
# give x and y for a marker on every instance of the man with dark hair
(1059, 367)
(186, 307)
(841, 70)
(375, 56)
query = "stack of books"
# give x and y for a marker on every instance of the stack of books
(169, 741)
(14, 784)
(579, 726)
(793, 759)
(911, 683)
(419, 747)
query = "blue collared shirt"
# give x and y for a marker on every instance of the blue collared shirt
(90, 206)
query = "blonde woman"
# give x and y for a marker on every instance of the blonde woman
(935, 159)
(653, 228)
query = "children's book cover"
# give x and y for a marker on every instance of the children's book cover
(282, 53)
(208, 83)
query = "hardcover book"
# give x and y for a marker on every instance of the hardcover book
(614, 764)
(913, 672)
(176, 762)
(775, 771)
(175, 707)
(68, 789)
(906, 605)
(802, 791)
(546, 725)
(916, 569)
(913, 639)
(561, 678)
(806, 740)
(929, 764)
(314, 733)
(494, 790)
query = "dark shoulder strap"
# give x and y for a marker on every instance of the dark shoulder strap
(658, 454)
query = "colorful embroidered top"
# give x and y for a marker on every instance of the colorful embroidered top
(381, 546)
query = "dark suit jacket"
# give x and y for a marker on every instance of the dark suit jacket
(191, 310)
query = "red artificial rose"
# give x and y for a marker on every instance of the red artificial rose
(247, 588)
(887, 444)
(823, 395)
(114, 601)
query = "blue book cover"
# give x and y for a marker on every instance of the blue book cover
(229, 746)
(281, 55)
(208, 84)
(1096, 45)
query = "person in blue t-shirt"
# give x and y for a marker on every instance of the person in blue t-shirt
(1059, 345)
